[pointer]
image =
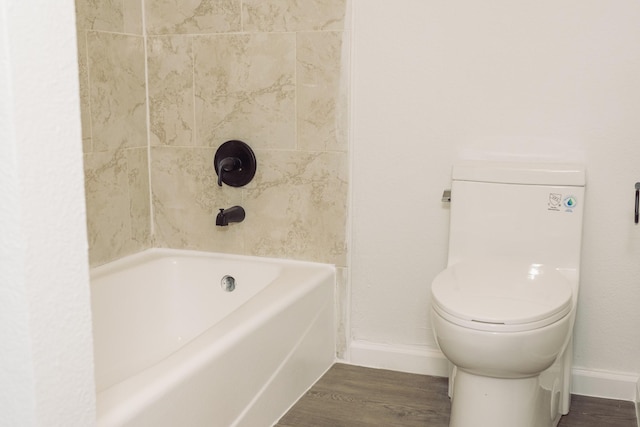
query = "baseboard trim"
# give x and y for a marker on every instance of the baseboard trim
(403, 358)
(429, 361)
(608, 385)
(638, 402)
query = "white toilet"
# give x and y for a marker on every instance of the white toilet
(503, 310)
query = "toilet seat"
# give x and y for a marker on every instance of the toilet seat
(501, 295)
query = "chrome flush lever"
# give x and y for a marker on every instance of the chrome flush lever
(637, 201)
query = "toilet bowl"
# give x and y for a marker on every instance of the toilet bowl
(503, 310)
(501, 317)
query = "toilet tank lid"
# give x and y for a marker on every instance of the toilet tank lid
(564, 174)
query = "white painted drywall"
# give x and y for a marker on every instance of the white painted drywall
(46, 355)
(437, 81)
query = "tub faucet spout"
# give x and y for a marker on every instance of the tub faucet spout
(232, 214)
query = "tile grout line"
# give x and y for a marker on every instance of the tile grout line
(85, 35)
(146, 87)
(192, 54)
(296, 90)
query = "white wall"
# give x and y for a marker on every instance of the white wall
(434, 81)
(46, 356)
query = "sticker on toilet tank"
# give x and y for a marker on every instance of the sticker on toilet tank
(569, 203)
(555, 201)
(558, 202)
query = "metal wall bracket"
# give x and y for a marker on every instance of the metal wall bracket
(637, 202)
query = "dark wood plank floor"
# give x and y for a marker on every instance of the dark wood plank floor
(353, 396)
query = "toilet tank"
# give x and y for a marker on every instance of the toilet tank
(526, 210)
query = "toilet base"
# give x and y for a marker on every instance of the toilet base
(500, 402)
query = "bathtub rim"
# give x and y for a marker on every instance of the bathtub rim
(150, 254)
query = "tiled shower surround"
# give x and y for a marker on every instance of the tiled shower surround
(158, 102)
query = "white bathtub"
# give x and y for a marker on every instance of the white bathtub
(172, 348)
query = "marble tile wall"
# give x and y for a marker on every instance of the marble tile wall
(265, 72)
(111, 59)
